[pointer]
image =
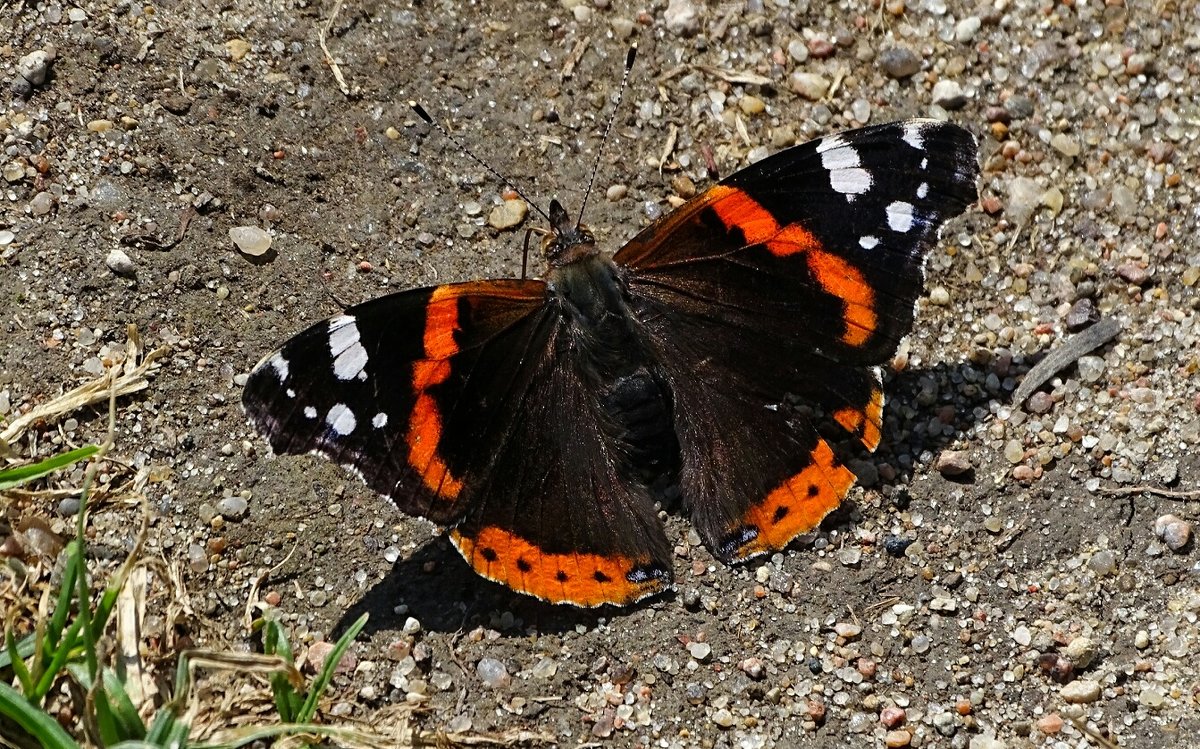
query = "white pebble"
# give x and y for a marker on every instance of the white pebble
(251, 240)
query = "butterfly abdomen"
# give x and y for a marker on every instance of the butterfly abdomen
(609, 348)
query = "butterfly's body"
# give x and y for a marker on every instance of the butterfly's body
(611, 350)
(532, 416)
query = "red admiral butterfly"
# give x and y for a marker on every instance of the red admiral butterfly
(531, 416)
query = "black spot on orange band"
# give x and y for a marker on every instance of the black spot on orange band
(579, 579)
(797, 505)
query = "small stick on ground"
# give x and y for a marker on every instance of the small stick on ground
(568, 68)
(333, 66)
(1186, 496)
(1066, 355)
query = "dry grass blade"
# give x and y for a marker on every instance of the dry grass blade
(736, 76)
(333, 66)
(121, 380)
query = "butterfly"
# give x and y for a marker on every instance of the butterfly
(539, 420)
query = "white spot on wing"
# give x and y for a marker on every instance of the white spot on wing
(922, 190)
(379, 421)
(280, 365)
(846, 174)
(868, 242)
(310, 412)
(341, 419)
(349, 356)
(850, 182)
(830, 143)
(900, 216)
(290, 393)
(913, 135)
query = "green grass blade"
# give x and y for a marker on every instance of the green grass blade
(26, 647)
(62, 609)
(287, 700)
(107, 724)
(10, 477)
(36, 723)
(129, 723)
(20, 670)
(167, 729)
(309, 708)
(58, 659)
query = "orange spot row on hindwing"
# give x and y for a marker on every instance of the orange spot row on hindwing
(737, 210)
(799, 503)
(582, 579)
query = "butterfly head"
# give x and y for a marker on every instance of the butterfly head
(566, 242)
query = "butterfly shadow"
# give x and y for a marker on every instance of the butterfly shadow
(439, 589)
(926, 407)
(927, 410)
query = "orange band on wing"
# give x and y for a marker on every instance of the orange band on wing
(864, 423)
(845, 282)
(799, 503)
(737, 210)
(425, 421)
(580, 579)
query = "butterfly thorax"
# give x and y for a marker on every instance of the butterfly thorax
(613, 356)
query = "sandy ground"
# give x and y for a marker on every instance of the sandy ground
(1021, 604)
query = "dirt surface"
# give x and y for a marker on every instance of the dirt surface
(1016, 604)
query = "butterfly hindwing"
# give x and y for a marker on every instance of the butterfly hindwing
(461, 405)
(795, 276)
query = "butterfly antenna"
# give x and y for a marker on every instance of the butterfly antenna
(632, 53)
(420, 110)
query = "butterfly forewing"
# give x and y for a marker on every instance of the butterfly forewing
(796, 275)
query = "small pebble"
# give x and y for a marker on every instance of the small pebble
(1081, 691)
(233, 508)
(899, 62)
(616, 192)
(1065, 144)
(811, 86)
(68, 506)
(197, 558)
(1050, 724)
(1174, 532)
(1133, 273)
(949, 94)
(251, 240)
(1040, 402)
(1081, 651)
(898, 738)
(701, 651)
(953, 463)
(751, 105)
(34, 66)
(544, 669)
(682, 17)
(118, 262)
(1103, 562)
(1082, 314)
(41, 204)
(892, 717)
(508, 215)
(847, 630)
(723, 718)
(1091, 368)
(492, 673)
